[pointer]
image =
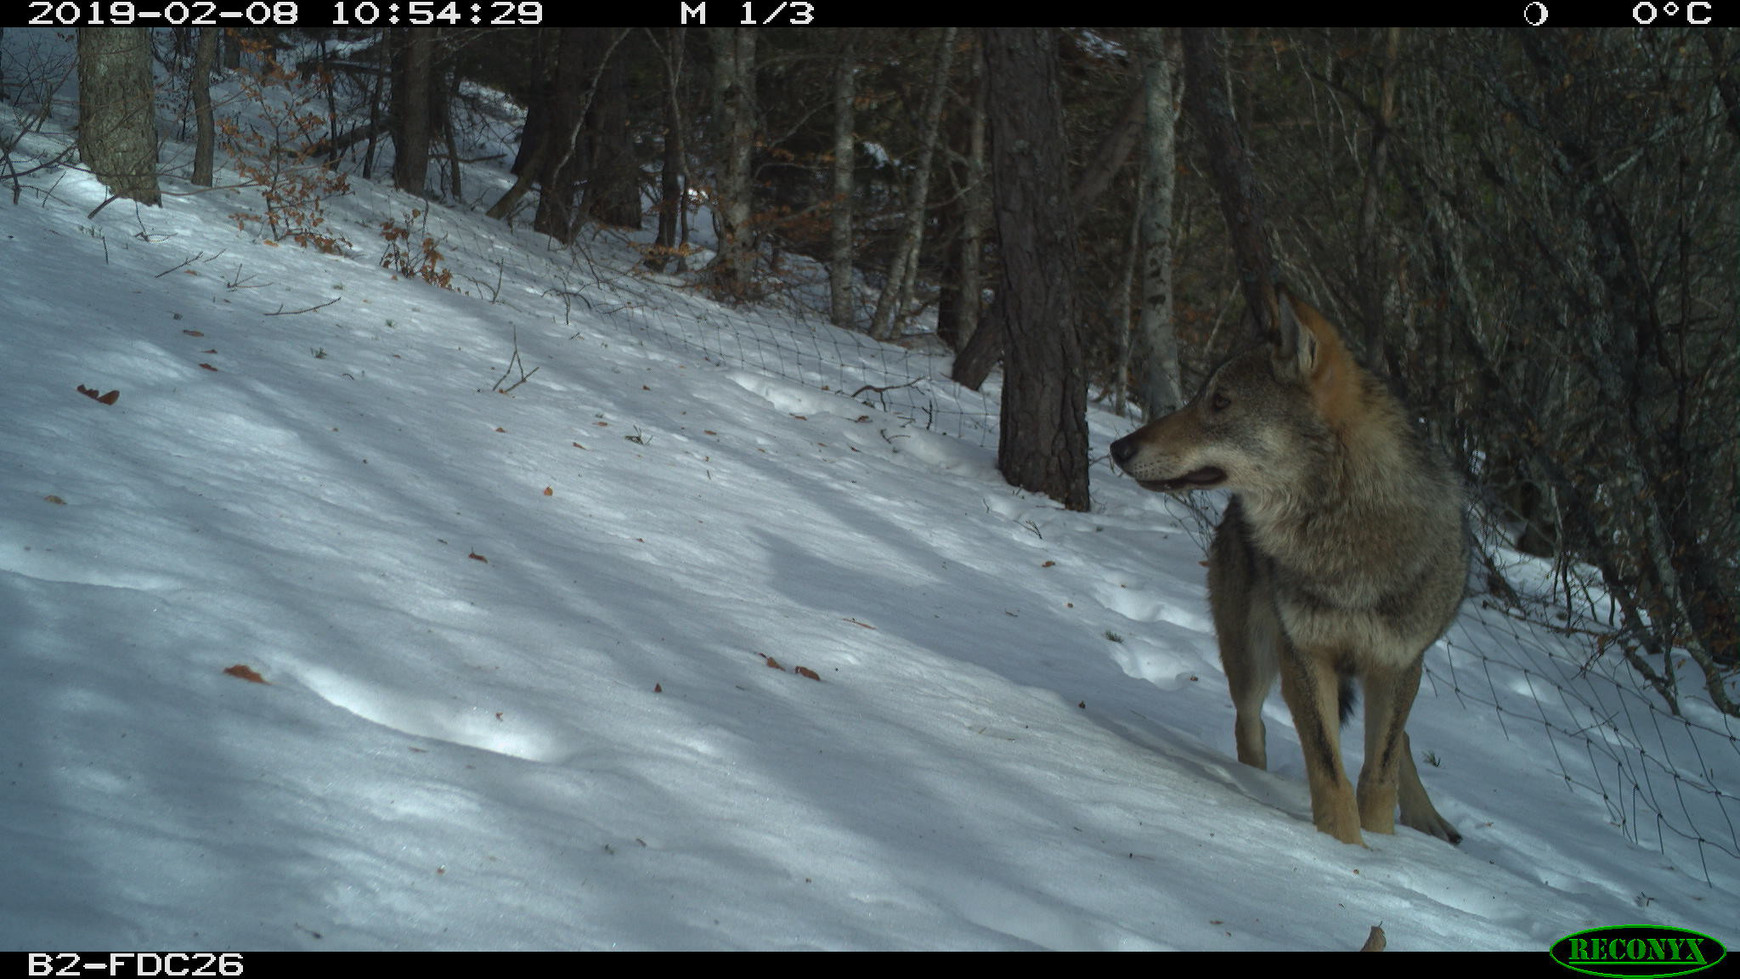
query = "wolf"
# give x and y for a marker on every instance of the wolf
(1340, 556)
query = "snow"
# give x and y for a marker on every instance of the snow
(519, 649)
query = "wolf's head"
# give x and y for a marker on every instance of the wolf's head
(1265, 421)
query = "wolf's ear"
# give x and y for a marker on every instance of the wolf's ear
(1300, 349)
(1318, 358)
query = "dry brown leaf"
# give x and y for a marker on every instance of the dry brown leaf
(478, 557)
(57, 501)
(247, 673)
(806, 671)
(548, 491)
(209, 367)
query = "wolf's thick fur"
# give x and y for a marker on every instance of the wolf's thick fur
(1340, 556)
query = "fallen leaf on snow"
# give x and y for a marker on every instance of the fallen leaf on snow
(247, 673)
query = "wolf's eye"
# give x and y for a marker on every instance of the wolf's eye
(1218, 401)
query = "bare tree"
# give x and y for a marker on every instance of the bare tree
(984, 348)
(204, 59)
(1235, 181)
(1369, 242)
(734, 112)
(117, 113)
(845, 155)
(1156, 346)
(611, 173)
(961, 304)
(1043, 442)
(903, 270)
(673, 171)
(413, 82)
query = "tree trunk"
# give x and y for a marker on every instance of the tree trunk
(204, 59)
(734, 110)
(672, 204)
(1043, 442)
(1370, 247)
(897, 291)
(559, 169)
(117, 112)
(981, 351)
(961, 306)
(413, 78)
(845, 155)
(1235, 181)
(611, 173)
(1156, 347)
(450, 135)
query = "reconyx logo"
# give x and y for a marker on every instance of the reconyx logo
(1637, 951)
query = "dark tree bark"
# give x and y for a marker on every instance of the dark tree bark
(960, 302)
(1209, 103)
(1043, 443)
(575, 147)
(413, 83)
(611, 173)
(734, 112)
(534, 137)
(984, 347)
(845, 155)
(231, 53)
(559, 161)
(1155, 352)
(672, 173)
(204, 58)
(1369, 243)
(117, 116)
(897, 293)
